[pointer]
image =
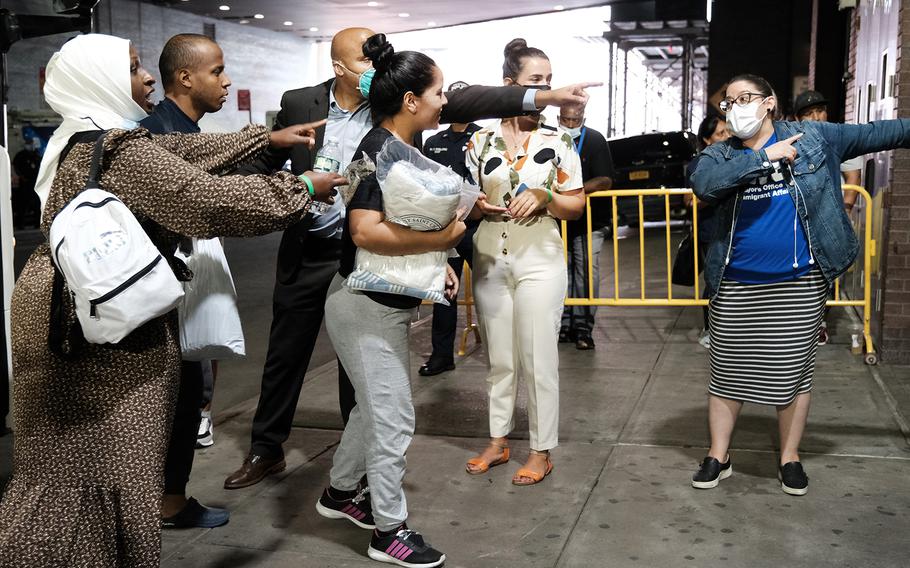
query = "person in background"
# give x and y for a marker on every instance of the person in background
(783, 237)
(310, 251)
(26, 206)
(195, 83)
(712, 129)
(448, 148)
(812, 105)
(530, 176)
(370, 330)
(91, 426)
(597, 174)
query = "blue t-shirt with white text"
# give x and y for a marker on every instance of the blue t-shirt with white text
(766, 240)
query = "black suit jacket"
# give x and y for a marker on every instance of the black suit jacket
(311, 104)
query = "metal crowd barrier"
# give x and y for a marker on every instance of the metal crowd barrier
(871, 356)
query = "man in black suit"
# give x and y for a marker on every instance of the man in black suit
(309, 253)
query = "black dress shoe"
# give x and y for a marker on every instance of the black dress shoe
(433, 367)
(566, 336)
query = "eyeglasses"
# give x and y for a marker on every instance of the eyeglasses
(742, 100)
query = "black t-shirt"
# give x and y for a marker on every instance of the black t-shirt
(596, 161)
(369, 196)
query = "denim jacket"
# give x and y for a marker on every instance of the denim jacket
(724, 170)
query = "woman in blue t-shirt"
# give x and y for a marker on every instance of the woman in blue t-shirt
(782, 237)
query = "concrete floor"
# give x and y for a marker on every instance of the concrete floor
(633, 429)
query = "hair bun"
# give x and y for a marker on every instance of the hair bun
(379, 51)
(516, 44)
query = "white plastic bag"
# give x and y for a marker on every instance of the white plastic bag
(209, 320)
(423, 195)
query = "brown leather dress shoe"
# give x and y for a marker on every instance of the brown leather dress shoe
(254, 470)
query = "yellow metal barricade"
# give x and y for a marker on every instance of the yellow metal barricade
(468, 303)
(643, 300)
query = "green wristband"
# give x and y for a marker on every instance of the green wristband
(309, 184)
(549, 196)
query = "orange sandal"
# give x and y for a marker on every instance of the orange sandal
(534, 476)
(482, 466)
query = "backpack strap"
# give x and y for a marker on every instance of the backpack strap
(94, 173)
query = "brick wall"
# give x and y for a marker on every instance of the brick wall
(813, 46)
(850, 84)
(896, 248)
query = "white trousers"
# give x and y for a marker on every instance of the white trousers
(519, 288)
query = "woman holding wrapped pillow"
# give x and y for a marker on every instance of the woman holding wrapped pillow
(530, 174)
(369, 330)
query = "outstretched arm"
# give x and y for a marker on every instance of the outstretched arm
(184, 198)
(478, 102)
(851, 140)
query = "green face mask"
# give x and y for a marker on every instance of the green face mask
(366, 79)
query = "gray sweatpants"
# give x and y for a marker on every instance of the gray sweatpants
(372, 342)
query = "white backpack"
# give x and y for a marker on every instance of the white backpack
(117, 276)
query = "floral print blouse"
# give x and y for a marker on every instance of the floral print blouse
(547, 160)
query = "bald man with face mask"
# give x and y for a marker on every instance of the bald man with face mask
(310, 251)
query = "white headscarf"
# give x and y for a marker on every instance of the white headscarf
(88, 84)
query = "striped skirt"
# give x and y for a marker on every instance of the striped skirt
(764, 338)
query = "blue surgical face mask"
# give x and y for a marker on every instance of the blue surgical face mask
(366, 79)
(574, 132)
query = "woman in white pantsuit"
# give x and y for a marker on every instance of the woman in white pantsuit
(531, 176)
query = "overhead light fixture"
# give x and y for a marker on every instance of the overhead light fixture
(314, 29)
(289, 23)
(559, 7)
(372, 4)
(224, 7)
(404, 15)
(431, 24)
(258, 16)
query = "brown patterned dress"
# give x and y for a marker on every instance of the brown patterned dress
(91, 433)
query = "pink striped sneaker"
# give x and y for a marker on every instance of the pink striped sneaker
(356, 509)
(404, 548)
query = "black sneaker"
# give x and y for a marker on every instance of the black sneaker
(793, 480)
(356, 509)
(404, 548)
(566, 336)
(584, 341)
(196, 515)
(711, 472)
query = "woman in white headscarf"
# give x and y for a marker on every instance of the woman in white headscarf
(91, 428)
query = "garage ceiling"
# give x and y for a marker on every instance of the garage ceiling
(321, 20)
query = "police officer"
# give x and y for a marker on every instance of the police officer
(448, 148)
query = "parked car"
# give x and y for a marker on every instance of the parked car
(647, 161)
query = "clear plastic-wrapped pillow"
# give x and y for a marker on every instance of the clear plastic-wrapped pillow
(424, 196)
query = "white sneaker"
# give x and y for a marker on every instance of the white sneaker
(205, 437)
(704, 339)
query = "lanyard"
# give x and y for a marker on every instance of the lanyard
(581, 139)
